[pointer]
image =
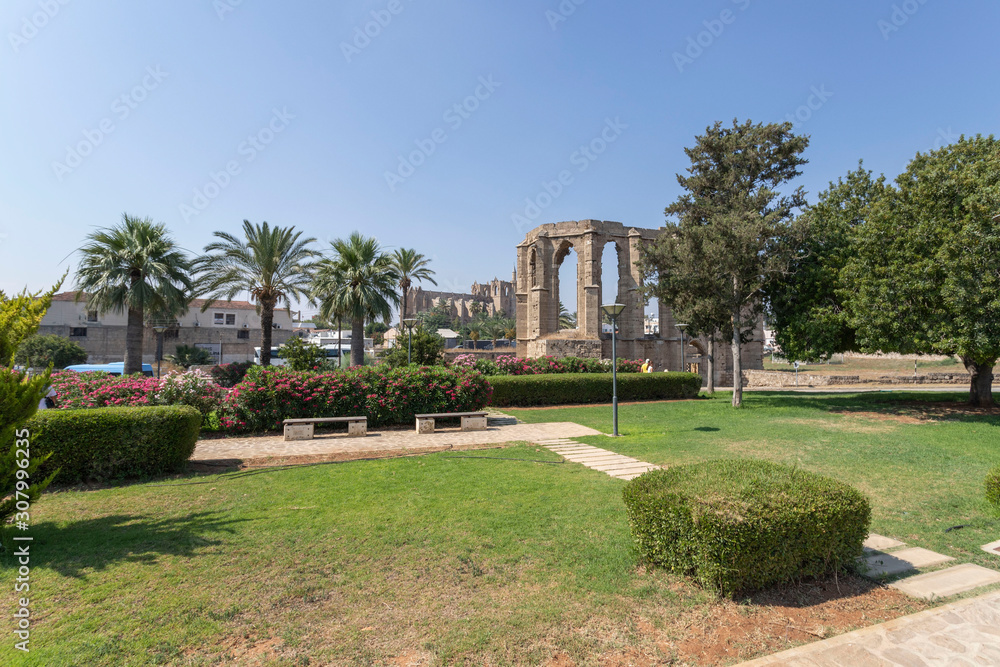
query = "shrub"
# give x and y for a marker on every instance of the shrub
(99, 390)
(41, 350)
(190, 355)
(300, 355)
(427, 349)
(385, 395)
(104, 443)
(229, 375)
(743, 525)
(560, 389)
(993, 487)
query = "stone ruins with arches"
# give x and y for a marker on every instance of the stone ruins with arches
(495, 297)
(539, 258)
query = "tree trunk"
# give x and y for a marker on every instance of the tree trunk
(711, 364)
(981, 385)
(737, 362)
(358, 341)
(266, 326)
(133, 341)
(402, 310)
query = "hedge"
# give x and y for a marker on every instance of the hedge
(560, 389)
(742, 525)
(114, 443)
(267, 396)
(993, 487)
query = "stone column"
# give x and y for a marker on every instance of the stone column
(588, 292)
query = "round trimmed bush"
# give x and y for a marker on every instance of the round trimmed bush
(741, 525)
(993, 487)
(114, 443)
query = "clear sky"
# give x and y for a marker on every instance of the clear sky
(202, 113)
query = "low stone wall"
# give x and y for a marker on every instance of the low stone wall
(787, 379)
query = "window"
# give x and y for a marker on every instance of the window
(231, 319)
(243, 334)
(218, 318)
(224, 319)
(91, 315)
(80, 332)
(171, 333)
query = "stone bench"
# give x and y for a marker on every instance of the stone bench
(304, 429)
(471, 421)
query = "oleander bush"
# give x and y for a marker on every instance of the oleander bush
(114, 443)
(993, 487)
(566, 388)
(100, 390)
(385, 395)
(230, 375)
(510, 365)
(742, 525)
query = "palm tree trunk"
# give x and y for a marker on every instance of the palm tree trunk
(266, 326)
(402, 310)
(358, 341)
(134, 331)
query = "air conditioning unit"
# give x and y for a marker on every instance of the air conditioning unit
(246, 326)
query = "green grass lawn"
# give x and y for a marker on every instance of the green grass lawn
(461, 558)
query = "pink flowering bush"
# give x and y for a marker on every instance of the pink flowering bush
(385, 395)
(100, 390)
(511, 365)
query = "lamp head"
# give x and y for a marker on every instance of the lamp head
(409, 322)
(681, 326)
(613, 310)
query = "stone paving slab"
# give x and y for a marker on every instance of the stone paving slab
(992, 548)
(945, 583)
(595, 458)
(881, 543)
(377, 442)
(962, 633)
(897, 562)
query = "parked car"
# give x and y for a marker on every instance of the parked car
(114, 368)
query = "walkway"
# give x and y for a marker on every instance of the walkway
(338, 447)
(616, 465)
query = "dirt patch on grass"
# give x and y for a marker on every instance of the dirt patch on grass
(780, 618)
(918, 412)
(855, 422)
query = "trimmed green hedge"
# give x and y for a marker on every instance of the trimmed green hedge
(563, 388)
(114, 443)
(743, 525)
(993, 487)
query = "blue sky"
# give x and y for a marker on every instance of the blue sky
(201, 114)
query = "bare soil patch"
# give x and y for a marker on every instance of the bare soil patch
(917, 412)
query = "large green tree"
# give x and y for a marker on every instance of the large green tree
(410, 265)
(924, 274)
(357, 282)
(271, 264)
(806, 305)
(43, 351)
(132, 268)
(733, 211)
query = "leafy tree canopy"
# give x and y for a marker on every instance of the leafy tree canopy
(43, 351)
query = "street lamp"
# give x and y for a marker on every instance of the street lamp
(159, 328)
(613, 310)
(681, 327)
(409, 322)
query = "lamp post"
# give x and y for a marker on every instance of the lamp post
(159, 328)
(613, 310)
(408, 323)
(681, 327)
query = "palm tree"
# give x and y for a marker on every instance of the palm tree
(131, 268)
(567, 320)
(359, 283)
(410, 265)
(271, 263)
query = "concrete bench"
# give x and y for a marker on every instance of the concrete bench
(304, 429)
(471, 421)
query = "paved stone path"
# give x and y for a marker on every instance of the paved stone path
(961, 634)
(616, 465)
(381, 443)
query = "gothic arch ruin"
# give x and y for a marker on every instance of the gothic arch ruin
(539, 257)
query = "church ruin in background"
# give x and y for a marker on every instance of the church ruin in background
(494, 298)
(539, 258)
